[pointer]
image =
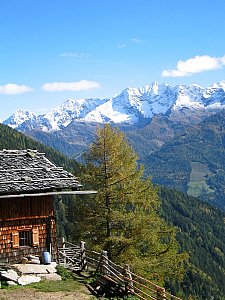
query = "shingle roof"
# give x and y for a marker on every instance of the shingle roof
(28, 171)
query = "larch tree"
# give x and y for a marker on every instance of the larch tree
(123, 218)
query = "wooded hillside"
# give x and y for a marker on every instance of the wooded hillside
(12, 139)
(200, 232)
(193, 162)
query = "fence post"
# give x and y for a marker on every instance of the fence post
(83, 256)
(128, 275)
(161, 294)
(104, 262)
(64, 252)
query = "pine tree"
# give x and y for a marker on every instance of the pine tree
(123, 218)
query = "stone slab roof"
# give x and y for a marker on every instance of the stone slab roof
(29, 171)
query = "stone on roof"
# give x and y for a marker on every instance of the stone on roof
(29, 171)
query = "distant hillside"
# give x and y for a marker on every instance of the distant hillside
(149, 138)
(200, 229)
(193, 162)
(12, 139)
(72, 141)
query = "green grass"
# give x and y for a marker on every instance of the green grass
(197, 184)
(68, 285)
(70, 282)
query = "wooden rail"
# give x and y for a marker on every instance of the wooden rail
(78, 258)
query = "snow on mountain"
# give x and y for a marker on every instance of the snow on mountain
(56, 119)
(129, 107)
(118, 109)
(189, 96)
(18, 118)
(70, 110)
(215, 96)
(133, 104)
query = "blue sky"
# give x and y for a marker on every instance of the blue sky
(51, 50)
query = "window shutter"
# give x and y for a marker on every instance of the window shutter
(35, 236)
(15, 239)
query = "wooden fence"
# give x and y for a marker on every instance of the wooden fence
(78, 258)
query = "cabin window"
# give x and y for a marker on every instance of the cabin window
(25, 238)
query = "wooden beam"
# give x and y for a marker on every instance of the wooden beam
(49, 194)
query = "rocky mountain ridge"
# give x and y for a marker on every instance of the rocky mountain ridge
(133, 106)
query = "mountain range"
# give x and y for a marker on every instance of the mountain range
(133, 106)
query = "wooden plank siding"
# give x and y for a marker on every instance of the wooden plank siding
(16, 208)
(33, 214)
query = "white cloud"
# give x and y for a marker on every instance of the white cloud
(174, 73)
(195, 65)
(133, 40)
(121, 45)
(70, 86)
(75, 54)
(136, 40)
(14, 89)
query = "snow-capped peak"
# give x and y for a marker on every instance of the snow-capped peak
(154, 88)
(218, 85)
(19, 117)
(73, 109)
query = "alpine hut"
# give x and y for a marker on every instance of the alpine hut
(28, 185)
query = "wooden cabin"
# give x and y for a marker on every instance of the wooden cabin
(28, 185)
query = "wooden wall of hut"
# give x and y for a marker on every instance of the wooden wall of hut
(34, 215)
